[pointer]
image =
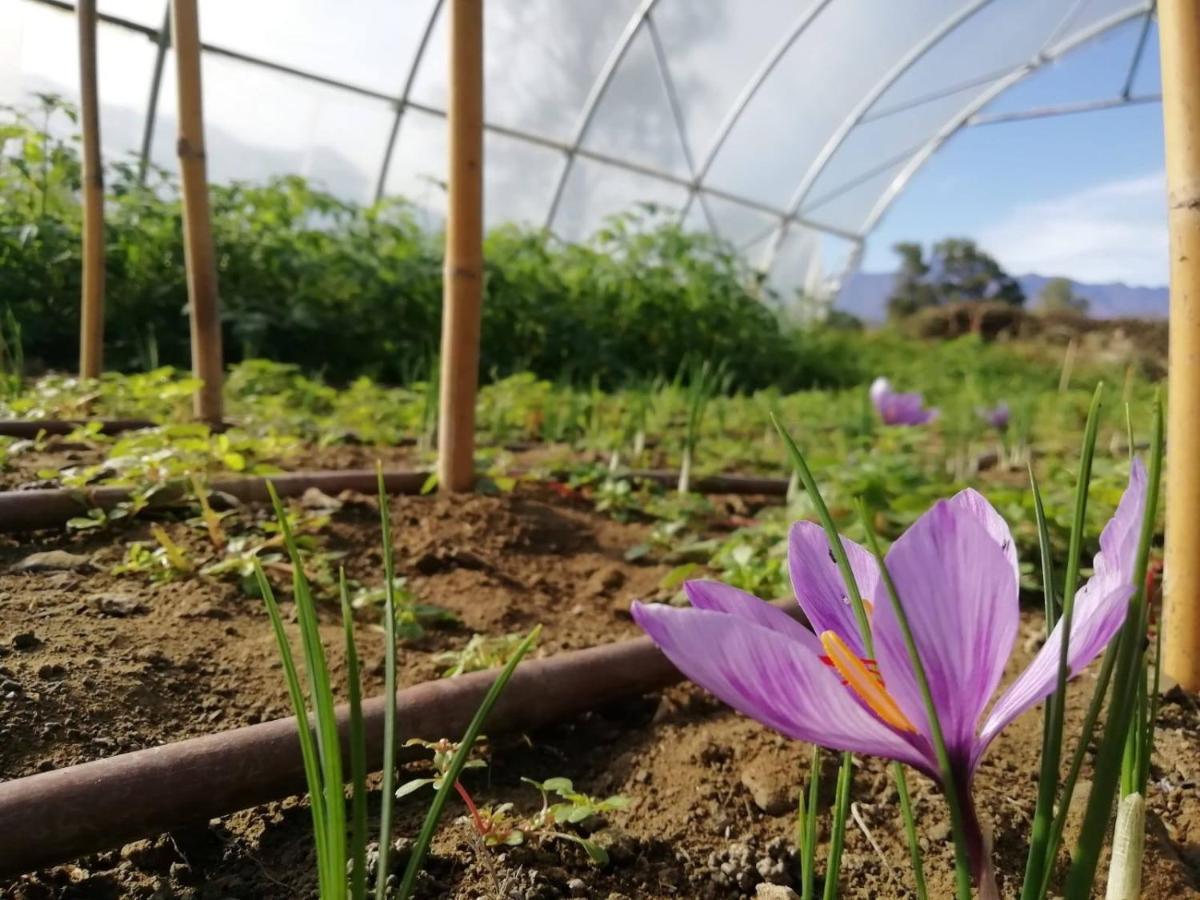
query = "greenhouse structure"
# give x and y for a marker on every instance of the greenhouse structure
(520, 405)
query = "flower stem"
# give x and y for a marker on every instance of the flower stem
(958, 824)
(801, 471)
(1052, 734)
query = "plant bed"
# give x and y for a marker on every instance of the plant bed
(96, 664)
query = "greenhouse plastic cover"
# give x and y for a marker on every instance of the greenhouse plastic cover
(787, 127)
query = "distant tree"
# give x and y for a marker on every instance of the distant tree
(1058, 295)
(957, 270)
(964, 272)
(912, 291)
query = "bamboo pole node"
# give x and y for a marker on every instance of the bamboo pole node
(199, 254)
(1179, 34)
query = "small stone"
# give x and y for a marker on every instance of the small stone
(577, 887)
(153, 657)
(770, 791)
(604, 580)
(622, 606)
(317, 500)
(151, 855)
(939, 831)
(117, 605)
(25, 640)
(51, 670)
(775, 892)
(53, 561)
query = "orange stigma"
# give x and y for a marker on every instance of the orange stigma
(864, 682)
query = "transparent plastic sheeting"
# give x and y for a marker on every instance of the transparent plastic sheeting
(786, 127)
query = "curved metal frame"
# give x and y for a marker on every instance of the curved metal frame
(699, 168)
(951, 128)
(902, 66)
(402, 101)
(752, 88)
(599, 87)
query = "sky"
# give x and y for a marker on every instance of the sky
(1081, 195)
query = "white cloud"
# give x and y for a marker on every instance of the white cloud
(1113, 231)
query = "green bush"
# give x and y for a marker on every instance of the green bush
(344, 290)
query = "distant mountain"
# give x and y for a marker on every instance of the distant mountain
(865, 295)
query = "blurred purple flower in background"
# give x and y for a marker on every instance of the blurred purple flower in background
(899, 409)
(956, 572)
(997, 416)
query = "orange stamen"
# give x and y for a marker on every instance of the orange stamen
(864, 682)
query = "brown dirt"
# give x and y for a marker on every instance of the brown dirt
(196, 656)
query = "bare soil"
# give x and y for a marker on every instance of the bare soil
(93, 664)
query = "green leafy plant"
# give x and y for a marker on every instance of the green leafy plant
(342, 860)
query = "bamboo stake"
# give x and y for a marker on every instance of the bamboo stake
(463, 278)
(1179, 33)
(91, 319)
(197, 228)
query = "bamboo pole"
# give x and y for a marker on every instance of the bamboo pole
(463, 277)
(91, 318)
(1179, 34)
(197, 228)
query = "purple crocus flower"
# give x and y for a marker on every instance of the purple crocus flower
(956, 572)
(997, 416)
(899, 409)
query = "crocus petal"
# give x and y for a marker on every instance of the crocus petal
(718, 597)
(959, 593)
(773, 678)
(976, 504)
(904, 409)
(1119, 539)
(1100, 608)
(818, 583)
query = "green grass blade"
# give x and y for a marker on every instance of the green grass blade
(1152, 724)
(1077, 759)
(389, 689)
(328, 742)
(910, 831)
(1043, 816)
(358, 752)
(1052, 735)
(421, 847)
(808, 855)
(308, 749)
(962, 867)
(835, 542)
(804, 473)
(1107, 771)
(837, 835)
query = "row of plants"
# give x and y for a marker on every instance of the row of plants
(348, 290)
(948, 586)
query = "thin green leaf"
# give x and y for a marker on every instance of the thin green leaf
(802, 471)
(389, 689)
(962, 867)
(837, 837)
(308, 750)
(808, 852)
(1108, 759)
(421, 847)
(358, 752)
(1052, 735)
(328, 741)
